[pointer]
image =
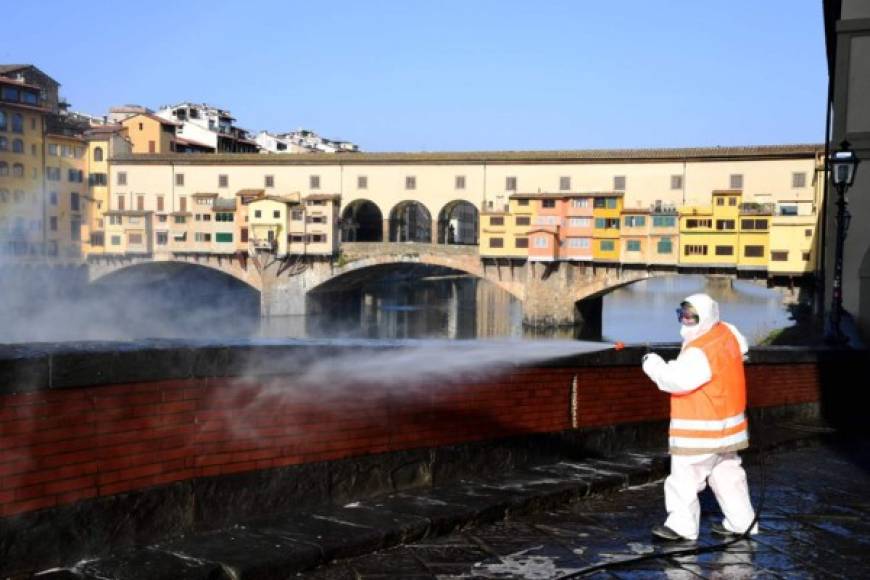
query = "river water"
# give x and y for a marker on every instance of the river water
(460, 307)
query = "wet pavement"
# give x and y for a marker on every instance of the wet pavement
(815, 523)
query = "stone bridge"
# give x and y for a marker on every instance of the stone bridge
(552, 294)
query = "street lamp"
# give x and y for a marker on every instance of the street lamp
(842, 163)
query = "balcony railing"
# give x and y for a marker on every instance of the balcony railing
(757, 208)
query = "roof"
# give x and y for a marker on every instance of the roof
(644, 210)
(206, 194)
(193, 143)
(566, 195)
(277, 198)
(17, 83)
(153, 117)
(251, 192)
(322, 196)
(799, 151)
(727, 192)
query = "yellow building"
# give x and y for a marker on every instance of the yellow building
(709, 234)
(664, 237)
(67, 204)
(754, 251)
(268, 222)
(635, 236)
(149, 133)
(793, 239)
(103, 142)
(22, 125)
(504, 232)
(313, 227)
(606, 210)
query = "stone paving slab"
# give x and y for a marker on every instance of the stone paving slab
(815, 524)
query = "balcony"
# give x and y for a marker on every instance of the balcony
(756, 208)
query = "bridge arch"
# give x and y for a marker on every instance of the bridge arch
(458, 223)
(410, 221)
(362, 221)
(239, 266)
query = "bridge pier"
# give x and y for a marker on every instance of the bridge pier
(548, 303)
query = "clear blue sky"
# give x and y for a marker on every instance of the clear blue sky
(450, 75)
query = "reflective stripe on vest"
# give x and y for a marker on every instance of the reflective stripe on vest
(711, 418)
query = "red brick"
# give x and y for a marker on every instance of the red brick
(66, 485)
(19, 507)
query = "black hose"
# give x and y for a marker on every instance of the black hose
(686, 551)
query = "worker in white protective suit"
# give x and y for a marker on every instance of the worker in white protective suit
(708, 424)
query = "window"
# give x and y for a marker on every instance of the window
(541, 242)
(140, 202)
(159, 203)
(19, 196)
(33, 149)
(582, 243)
(224, 217)
(564, 183)
(720, 201)
(607, 223)
(223, 180)
(161, 219)
(52, 223)
(736, 181)
(17, 146)
(314, 182)
(732, 201)
(753, 224)
(296, 215)
(694, 250)
(635, 221)
(753, 251)
(115, 220)
(4, 168)
(510, 183)
(548, 203)
(665, 246)
(2, 121)
(276, 213)
(788, 210)
(600, 223)
(661, 221)
(632, 245)
(296, 238)
(258, 213)
(52, 149)
(459, 183)
(606, 245)
(523, 220)
(74, 201)
(269, 181)
(579, 203)
(579, 222)
(523, 202)
(122, 178)
(180, 219)
(201, 237)
(97, 179)
(805, 256)
(52, 197)
(316, 219)
(521, 242)
(318, 238)
(17, 123)
(362, 182)
(619, 183)
(4, 143)
(724, 224)
(496, 221)
(120, 204)
(410, 182)
(98, 154)
(52, 173)
(696, 223)
(778, 256)
(808, 233)
(724, 250)
(162, 238)
(116, 240)
(798, 180)
(496, 242)
(18, 170)
(97, 239)
(134, 239)
(75, 230)
(223, 237)
(179, 179)
(182, 202)
(676, 182)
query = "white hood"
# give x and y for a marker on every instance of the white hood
(708, 317)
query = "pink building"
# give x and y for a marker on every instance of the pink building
(562, 226)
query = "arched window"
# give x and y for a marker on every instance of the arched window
(4, 143)
(17, 146)
(4, 168)
(17, 123)
(18, 170)
(98, 154)
(2, 120)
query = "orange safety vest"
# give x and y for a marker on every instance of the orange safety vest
(711, 419)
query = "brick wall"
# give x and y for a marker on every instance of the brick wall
(58, 447)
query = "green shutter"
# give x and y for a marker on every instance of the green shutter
(224, 237)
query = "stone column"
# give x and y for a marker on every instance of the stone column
(386, 230)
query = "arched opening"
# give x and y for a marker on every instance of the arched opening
(410, 221)
(362, 221)
(458, 223)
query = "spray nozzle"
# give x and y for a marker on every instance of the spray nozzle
(619, 345)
